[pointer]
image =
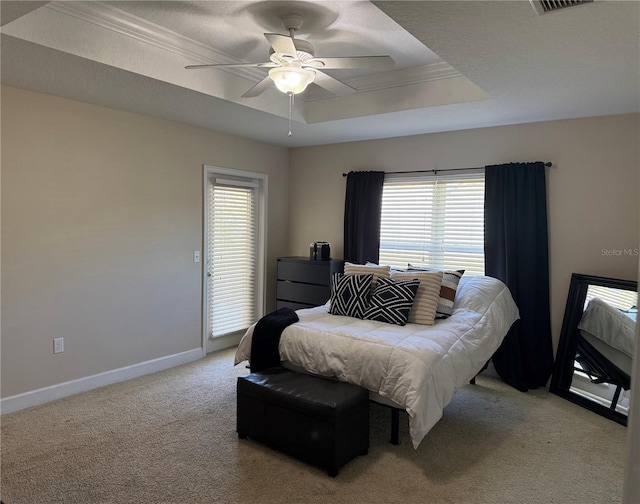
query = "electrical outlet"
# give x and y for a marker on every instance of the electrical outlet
(58, 345)
(196, 256)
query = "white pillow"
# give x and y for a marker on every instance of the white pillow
(425, 303)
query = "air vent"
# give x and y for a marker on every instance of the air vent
(544, 6)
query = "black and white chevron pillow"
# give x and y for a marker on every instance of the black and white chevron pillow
(350, 294)
(391, 301)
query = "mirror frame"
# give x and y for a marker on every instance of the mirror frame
(563, 368)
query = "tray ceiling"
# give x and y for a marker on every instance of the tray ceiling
(457, 64)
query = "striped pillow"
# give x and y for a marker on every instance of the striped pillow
(448, 288)
(425, 303)
(362, 269)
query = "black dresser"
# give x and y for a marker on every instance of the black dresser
(303, 283)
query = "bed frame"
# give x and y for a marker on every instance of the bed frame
(395, 412)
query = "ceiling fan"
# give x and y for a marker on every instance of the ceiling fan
(293, 65)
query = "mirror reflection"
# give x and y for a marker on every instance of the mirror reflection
(606, 335)
(594, 359)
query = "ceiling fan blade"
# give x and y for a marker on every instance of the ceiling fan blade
(282, 44)
(367, 62)
(233, 65)
(331, 84)
(259, 88)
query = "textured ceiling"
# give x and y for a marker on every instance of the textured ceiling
(458, 64)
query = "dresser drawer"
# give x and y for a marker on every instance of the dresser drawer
(315, 295)
(290, 304)
(312, 272)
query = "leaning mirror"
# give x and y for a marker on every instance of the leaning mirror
(593, 362)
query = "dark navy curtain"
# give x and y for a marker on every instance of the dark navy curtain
(362, 210)
(516, 252)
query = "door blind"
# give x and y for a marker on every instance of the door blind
(232, 256)
(437, 223)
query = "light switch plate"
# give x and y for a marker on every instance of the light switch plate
(58, 345)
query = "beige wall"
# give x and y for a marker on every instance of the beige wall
(101, 212)
(592, 186)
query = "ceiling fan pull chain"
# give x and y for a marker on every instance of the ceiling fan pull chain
(291, 95)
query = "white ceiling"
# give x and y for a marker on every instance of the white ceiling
(458, 64)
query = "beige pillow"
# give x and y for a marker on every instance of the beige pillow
(425, 303)
(362, 269)
(450, 281)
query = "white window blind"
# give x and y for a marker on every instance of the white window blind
(434, 222)
(618, 298)
(233, 252)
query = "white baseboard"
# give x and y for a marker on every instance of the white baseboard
(60, 390)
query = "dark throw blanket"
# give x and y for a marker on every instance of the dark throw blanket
(266, 338)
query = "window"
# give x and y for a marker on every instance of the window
(436, 221)
(618, 298)
(235, 253)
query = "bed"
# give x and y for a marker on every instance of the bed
(414, 367)
(605, 345)
(610, 331)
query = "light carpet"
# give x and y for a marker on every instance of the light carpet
(170, 438)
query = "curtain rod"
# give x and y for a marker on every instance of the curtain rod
(435, 172)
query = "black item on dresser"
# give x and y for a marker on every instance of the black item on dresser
(320, 421)
(303, 283)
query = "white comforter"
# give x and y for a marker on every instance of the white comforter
(417, 367)
(610, 325)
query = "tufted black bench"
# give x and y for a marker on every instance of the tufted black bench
(320, 421)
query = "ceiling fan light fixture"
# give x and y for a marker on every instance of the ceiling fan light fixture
(291, 79)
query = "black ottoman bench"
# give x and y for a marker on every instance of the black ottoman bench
(320, 421)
